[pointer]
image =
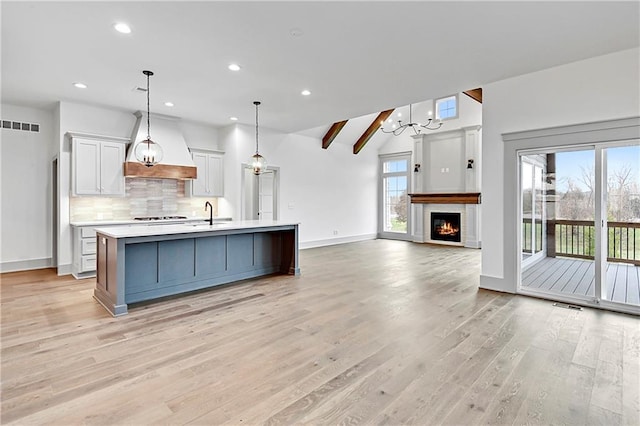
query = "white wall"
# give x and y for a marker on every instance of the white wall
(26, 190)
(325, 190)
(602, 88)
(199, 136)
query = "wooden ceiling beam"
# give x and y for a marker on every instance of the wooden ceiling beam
(373, 127)
(475, 94)
(332, 133)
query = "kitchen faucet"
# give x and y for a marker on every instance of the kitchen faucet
(208, 204)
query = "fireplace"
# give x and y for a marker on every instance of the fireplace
(445, 226)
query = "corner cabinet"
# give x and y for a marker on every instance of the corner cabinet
(97, 164)
(210, 180)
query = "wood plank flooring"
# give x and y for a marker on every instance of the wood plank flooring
(576, 276)
(378, 332)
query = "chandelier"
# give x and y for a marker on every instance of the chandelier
(398, 129)
(257, 161)
(147, 151)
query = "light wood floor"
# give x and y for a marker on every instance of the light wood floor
(378, 332)
(577, 276)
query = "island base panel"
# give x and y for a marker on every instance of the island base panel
(135, 270)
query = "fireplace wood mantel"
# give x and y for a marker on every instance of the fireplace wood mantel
(446, 198)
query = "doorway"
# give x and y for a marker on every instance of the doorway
(260, 194)
(395, 206)
(54, 212)
(580, 224)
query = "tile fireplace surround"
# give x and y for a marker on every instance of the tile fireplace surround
(466, 204)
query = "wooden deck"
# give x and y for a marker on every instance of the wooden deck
(576, 276)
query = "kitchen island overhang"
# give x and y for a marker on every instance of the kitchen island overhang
(141, 263)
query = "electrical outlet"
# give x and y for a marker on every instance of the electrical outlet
(335, 232)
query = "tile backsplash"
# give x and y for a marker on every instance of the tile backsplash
(143, 197)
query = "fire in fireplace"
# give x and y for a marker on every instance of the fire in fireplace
(445, 226)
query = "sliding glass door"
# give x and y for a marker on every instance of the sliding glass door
(533, 196)
(621, 207)
(580, 223)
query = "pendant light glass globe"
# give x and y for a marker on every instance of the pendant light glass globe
(258, 163)
(148, 152)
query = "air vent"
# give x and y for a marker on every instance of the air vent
(567, 306)
(18, 125)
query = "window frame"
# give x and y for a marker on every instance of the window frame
(436, 111)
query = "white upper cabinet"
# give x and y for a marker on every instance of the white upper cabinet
(97, 164)
(210, 181)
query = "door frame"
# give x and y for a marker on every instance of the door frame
(407, 236)
(535, 257)
(609, 132)
(276, 190)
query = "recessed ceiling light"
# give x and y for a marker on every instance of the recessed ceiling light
(123, 28)
(169, 104)
(305, 92)
(234, 67)
(233, 118)
(80, 85)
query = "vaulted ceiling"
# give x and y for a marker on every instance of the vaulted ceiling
(356, 58)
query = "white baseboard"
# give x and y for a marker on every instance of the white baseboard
(488, 282)
(472, 244)
(335, 241)
(25, 265)
(417, 238)
(65, 269)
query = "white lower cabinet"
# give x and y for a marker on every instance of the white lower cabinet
(84, 252)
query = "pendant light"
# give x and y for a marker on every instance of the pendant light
(257, 161)
(147, 151)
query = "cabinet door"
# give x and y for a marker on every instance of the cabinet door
(111, 172)
(86, 162)
(199, 186)
(215, 175)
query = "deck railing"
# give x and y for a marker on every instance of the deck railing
(576, 238)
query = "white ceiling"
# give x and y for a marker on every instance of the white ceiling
(357, 58)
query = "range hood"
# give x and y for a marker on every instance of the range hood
(165, 131)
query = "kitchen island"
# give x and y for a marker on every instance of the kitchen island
(140, 263)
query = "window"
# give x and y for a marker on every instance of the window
(395, 179)
(447, 108)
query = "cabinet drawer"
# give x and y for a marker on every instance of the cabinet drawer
(88, 263)
(88, 233)
(89, 246)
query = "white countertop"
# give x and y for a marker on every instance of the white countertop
(185, 228)
(103, 223)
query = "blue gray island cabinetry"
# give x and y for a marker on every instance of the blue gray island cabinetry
(138, 263)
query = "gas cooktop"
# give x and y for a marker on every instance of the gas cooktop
(159, 217)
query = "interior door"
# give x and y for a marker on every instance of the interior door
(266, 194)
(259, 194)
